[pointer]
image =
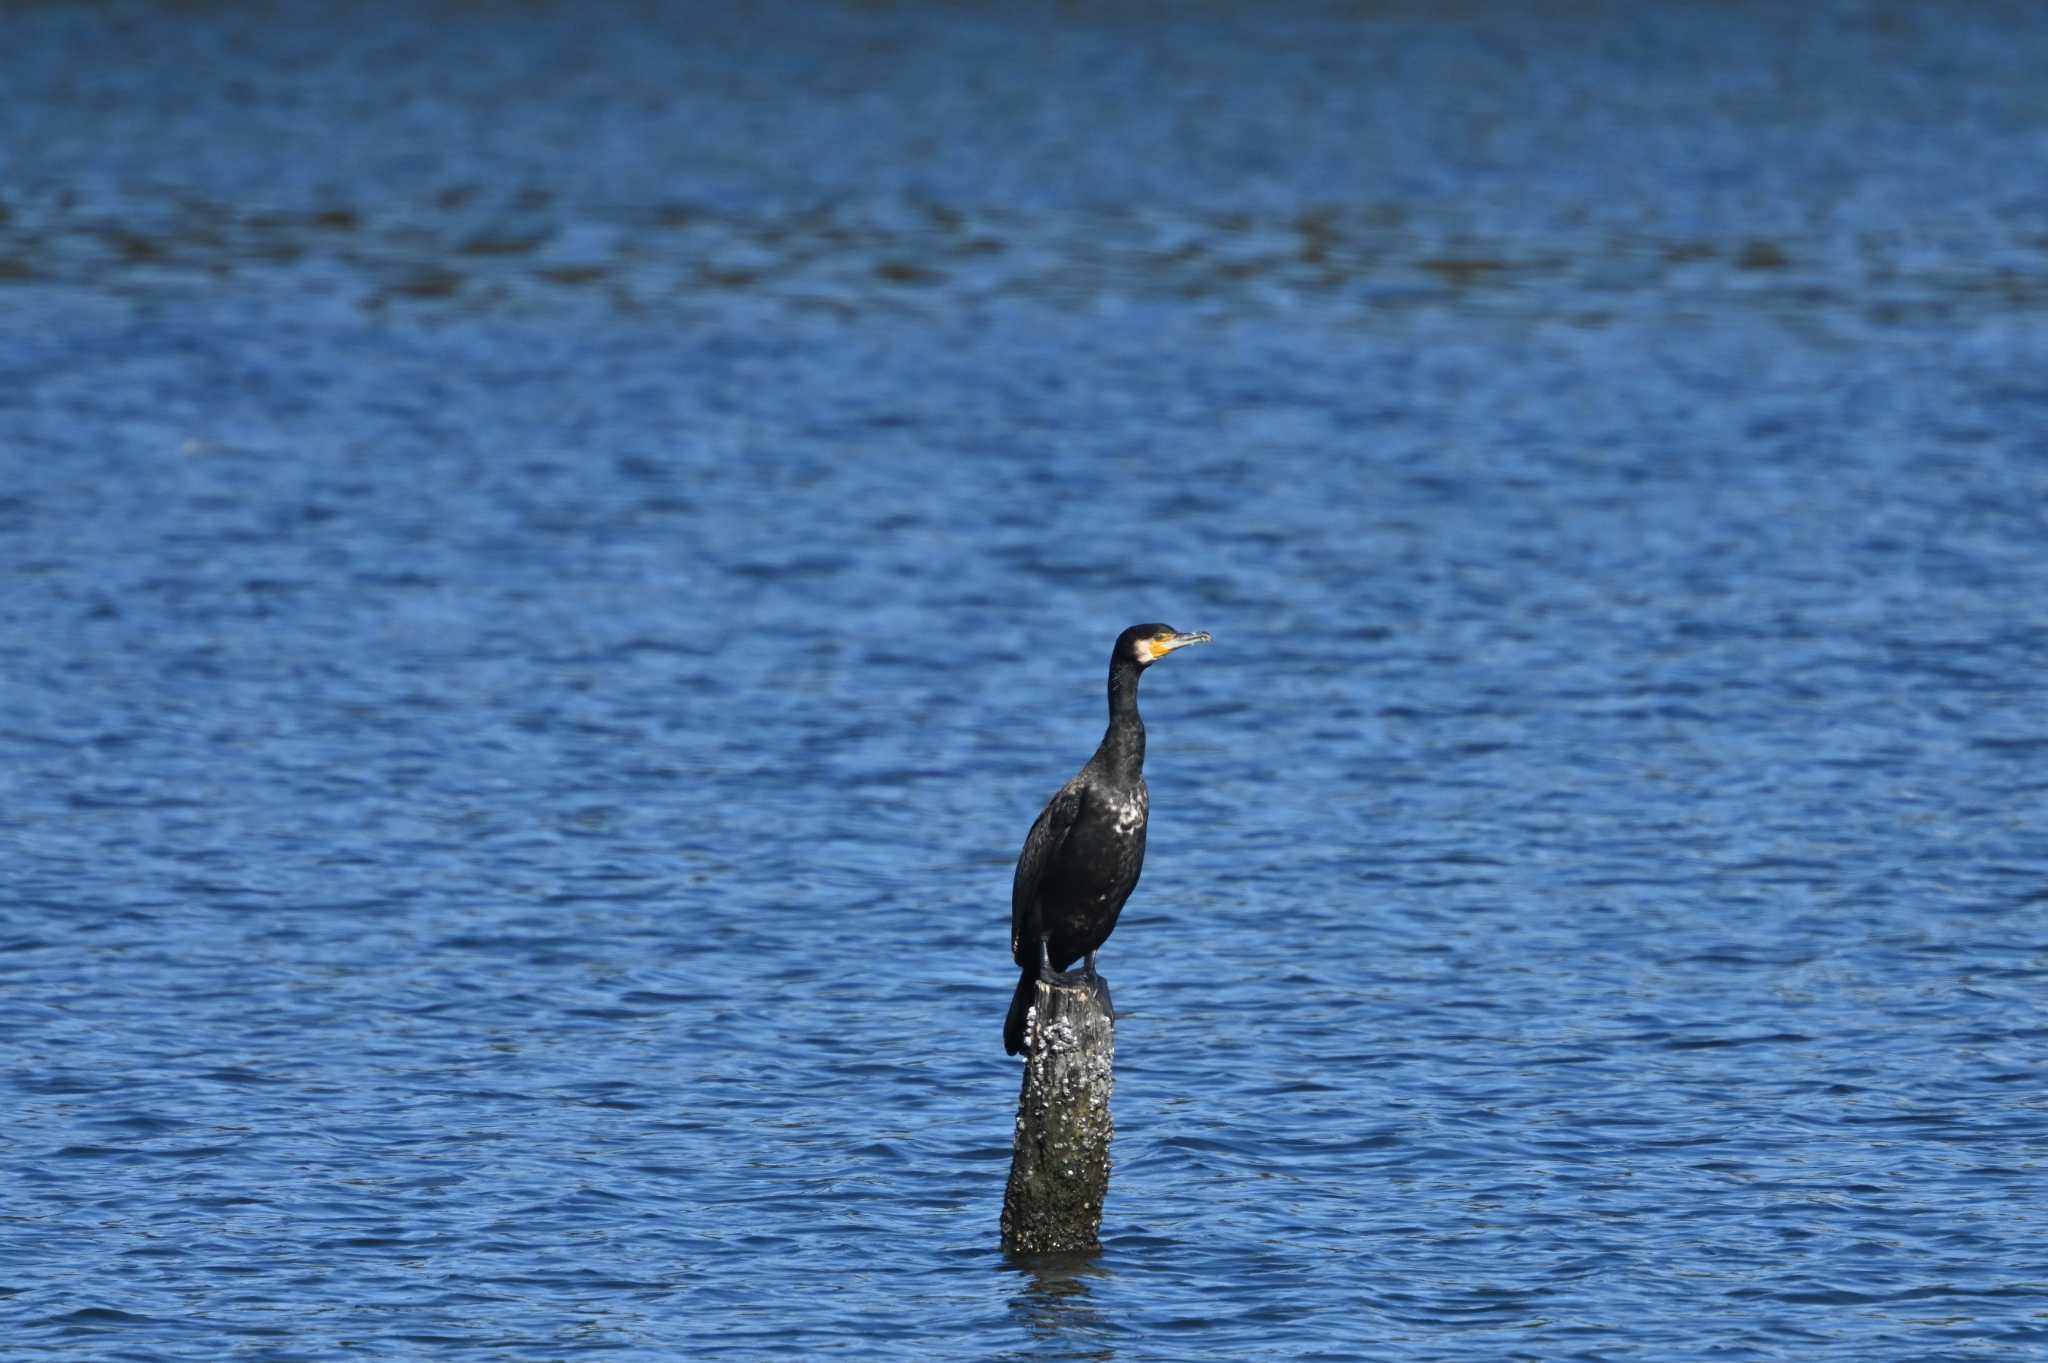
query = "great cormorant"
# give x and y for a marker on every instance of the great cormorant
(1081, 859)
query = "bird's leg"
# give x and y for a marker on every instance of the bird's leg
(1045, 970)
(1098, 986)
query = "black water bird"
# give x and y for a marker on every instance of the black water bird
(1082, 858)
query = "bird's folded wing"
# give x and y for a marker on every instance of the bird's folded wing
(1055, 822)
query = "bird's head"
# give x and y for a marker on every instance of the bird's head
(1147, 644)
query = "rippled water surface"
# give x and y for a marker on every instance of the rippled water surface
(553, 554)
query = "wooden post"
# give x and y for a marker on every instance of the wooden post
(1059, 1170)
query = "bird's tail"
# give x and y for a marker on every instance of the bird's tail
(1020, 1006)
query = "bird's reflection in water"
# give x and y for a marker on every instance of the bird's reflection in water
(1052, 1302)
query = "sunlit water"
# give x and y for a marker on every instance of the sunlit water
(552, 559)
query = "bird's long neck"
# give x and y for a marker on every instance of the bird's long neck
(1123, 744)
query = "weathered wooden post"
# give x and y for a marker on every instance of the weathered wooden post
(1059, 1169)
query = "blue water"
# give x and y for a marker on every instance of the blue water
(552, 556)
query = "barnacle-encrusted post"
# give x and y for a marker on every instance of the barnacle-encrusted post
(1059, 1171)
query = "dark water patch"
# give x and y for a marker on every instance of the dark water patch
(427, 255)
